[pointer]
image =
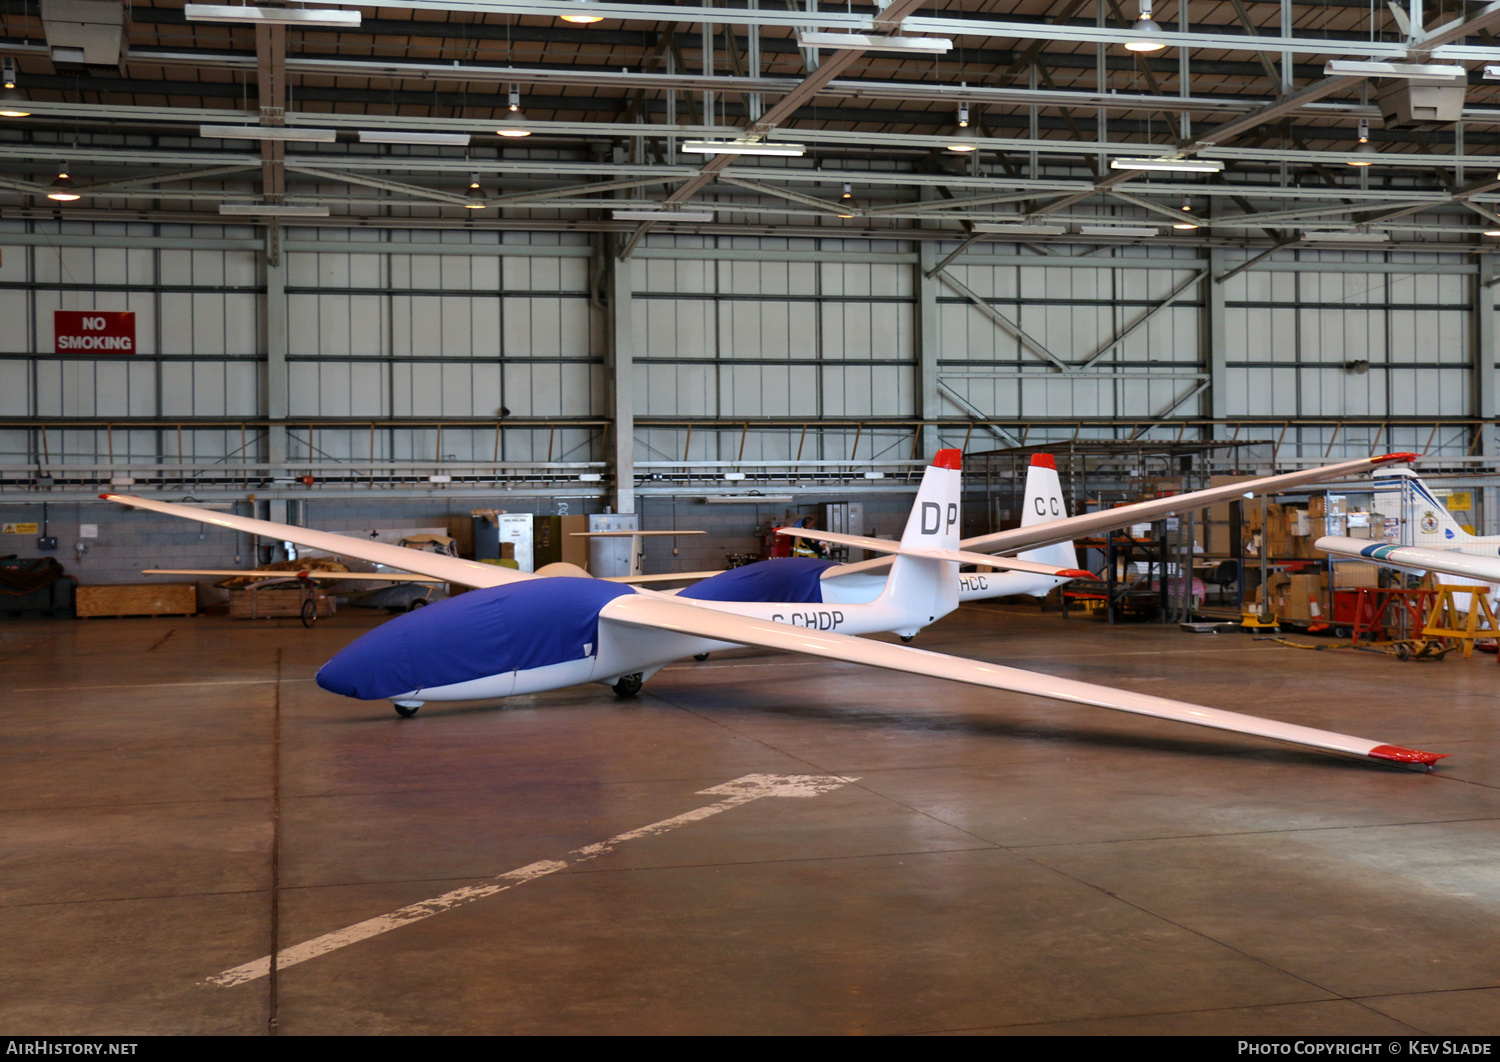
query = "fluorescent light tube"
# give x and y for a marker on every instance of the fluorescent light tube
(267, 210)
(871, 42)
(1020, 229)
(395, 136)
(271, 16)
(1119, 230)
(1169, 165)
(1492, 72)
(663, 215)
(742, 147)
(269, 132)
(1344, 236)
(1367, 68)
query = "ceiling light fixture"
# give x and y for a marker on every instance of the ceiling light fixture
(271, 16)
(846, 201)
(62, 186)
(583, 19)
(1188, 222)
(870, 42)
(269, 132)
(1020, 228)
(1371, 68)
(1492, 232)
(1364, 151)
(12, 103)
(475, 194)
(663, 215)
(1119, 230)
(515, 121)
(1168, 165)
(381, 136)
(273, 210)
(1147, 33)
(1344, 236)
(962, 143)
(743, 147)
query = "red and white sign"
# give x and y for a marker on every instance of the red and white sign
(94, 331)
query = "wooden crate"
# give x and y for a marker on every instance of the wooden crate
(275, 602)
(138, 599)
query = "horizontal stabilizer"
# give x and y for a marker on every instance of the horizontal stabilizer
(664, 577)
(1414, 558)
(885, 545)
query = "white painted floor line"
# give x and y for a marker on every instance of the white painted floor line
(155, 685)
(737, 792)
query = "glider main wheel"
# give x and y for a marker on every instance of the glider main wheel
(309, 613)
(628, 686)
(406, 711)
(700, 657)
(906, 638)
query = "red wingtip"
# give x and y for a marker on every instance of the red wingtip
(105, 497)
(1076, 573)
(1397, 754)
(1044, 461)
(949, 459)
(1388, 458)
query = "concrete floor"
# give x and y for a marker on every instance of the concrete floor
(177, 797)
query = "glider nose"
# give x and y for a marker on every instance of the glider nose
(342, 674)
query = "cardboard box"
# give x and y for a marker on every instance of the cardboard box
(1306, 598)
(1347, 574)
(574, 550)
(144, 599)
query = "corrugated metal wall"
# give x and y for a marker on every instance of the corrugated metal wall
(738, 343)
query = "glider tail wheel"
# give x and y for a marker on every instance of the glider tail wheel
(309, 612)
(628, 685)
(406, 709)
(700, 657)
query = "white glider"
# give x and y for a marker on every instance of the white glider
(525, 633)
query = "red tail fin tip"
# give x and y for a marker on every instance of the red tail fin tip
(1043, 461)
(949, 459)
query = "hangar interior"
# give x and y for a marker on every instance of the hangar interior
(714, 267)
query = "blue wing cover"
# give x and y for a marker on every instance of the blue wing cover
(483, 632)
(794, 580)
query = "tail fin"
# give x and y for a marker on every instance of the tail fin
(1043, 503)
(1428, 521)
(928, 589)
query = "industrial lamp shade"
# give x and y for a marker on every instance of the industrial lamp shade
(583, 18)
(62, 187)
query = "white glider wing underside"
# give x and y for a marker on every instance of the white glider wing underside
(1414, 558)
(1068, 528)
(300, 573)
(446, 569)
(652, 611)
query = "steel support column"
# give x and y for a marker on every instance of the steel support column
(274, 329)
(620, 359)
(1214, 337)
(930, 405)
(1484, 382)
